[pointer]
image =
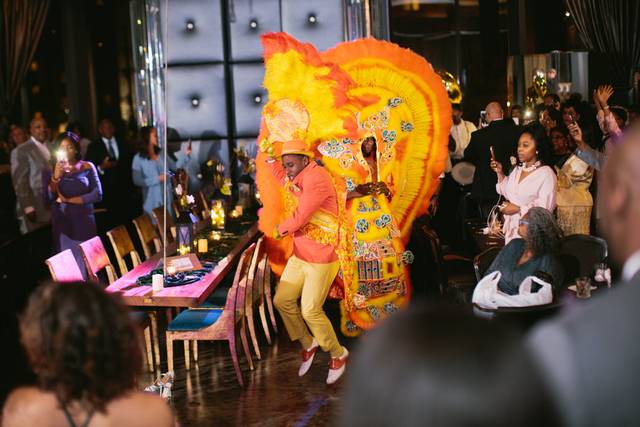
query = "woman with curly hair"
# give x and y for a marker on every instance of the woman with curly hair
(85, 353)
(531, 183)
(533, 253)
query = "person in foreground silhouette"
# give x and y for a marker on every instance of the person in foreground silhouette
(86, 356)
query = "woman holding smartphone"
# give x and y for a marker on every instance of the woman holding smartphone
(72, 188)
(531, 184)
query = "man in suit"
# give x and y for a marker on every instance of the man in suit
(590, 354)
(502, 135)
(28, 161)
(113, 161)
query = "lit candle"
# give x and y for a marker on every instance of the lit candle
(234, 214)
(171, 269)
(203, 246)
(216, 235)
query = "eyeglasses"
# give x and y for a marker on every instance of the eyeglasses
(523, 222)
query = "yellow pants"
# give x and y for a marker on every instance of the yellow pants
(310, 283)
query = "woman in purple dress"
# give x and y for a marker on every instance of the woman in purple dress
(72, 188)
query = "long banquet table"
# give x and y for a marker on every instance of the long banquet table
(190, 295)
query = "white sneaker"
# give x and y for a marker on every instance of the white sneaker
(337, 365)
(307, 358)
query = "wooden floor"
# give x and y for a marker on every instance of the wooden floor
(209, 395)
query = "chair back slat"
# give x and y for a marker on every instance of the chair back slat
(96, 259)
(203, 205)
(64, 268)
(147, 234)
(176, 208)
(123, 246)
(159, 214)
(236, 301)
(258, 274)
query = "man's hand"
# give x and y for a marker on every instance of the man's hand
(364, 189)
(107, 164)
(381, 188)
(162, 177)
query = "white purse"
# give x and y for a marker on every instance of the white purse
(487, 295)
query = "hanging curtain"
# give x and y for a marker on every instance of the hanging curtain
(611, 27)
(20, 29)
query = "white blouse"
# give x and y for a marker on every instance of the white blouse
(539, 188)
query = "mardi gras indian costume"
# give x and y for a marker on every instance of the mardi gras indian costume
(366, 90)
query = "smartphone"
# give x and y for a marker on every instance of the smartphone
(61, 156)
(493, 154)
(483, 117)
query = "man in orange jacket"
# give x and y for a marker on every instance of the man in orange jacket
(312, 207)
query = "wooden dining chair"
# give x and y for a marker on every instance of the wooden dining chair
(216, 324)
(122, 247)
(149, 239)
(64, 268)
(159, 215)
(96, 259)
(255, 295)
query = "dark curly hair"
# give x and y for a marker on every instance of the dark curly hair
(81, 343)
(543, 234)
(543, 146)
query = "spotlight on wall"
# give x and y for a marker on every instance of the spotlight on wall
(191, 26)
(312, 19)
(195, 102)
(257, 98)
(253, 24)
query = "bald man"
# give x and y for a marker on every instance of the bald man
(502, 135)
(28, 162)
(591, 355)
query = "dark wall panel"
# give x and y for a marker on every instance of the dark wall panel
(194, 31)
(203, 85)
(249, 97)
(315, 21)
(248, 20)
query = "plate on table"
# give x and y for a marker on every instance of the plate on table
(573, 288)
